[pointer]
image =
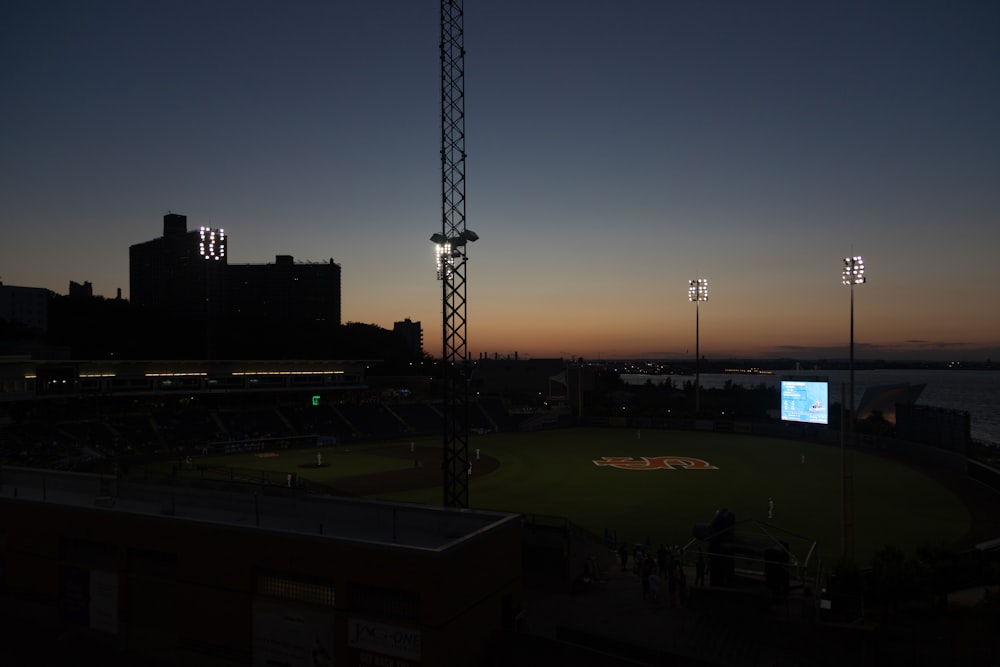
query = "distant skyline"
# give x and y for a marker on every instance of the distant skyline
(615, 151)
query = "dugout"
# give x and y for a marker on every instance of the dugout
(198, 576)
(752, 554)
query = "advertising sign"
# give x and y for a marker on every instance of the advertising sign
(383, 645)
(288, 634)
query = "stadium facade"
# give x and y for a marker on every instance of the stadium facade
(210, 576)
(25, 379)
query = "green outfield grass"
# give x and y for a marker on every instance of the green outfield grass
(553, 473)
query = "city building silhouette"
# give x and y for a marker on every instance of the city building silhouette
(27, 306)
(193, 300)
(413, 333)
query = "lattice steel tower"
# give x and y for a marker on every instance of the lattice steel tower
(451, 243)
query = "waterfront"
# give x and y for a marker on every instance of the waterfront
(976, 392)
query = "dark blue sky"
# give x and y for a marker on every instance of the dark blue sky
(616, 150)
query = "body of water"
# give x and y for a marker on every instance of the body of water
(975, 392)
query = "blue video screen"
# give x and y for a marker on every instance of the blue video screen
(805, 401)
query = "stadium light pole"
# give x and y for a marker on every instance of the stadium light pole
(697, 292)
(853, 274)
(451, 245)
(212, 248)
(450, 248)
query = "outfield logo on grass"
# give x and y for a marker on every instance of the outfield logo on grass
(655, 463)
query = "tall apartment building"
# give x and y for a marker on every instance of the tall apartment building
(185, 281)
(412, 333)
(286, 291)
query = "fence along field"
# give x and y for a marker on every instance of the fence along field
(653, 484)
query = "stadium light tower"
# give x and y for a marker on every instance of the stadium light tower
(212, 249)
(853, 274)
(451, 243)
(697, 292)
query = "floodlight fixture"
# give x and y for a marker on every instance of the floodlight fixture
(463, 237)
(450, 248)
(854, 271)
(212, 243)
(445, 260)
(698, 290)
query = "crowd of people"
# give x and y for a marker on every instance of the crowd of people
(662, 572)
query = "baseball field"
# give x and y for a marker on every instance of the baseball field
(654, 484)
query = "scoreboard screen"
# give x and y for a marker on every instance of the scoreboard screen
(805, 401)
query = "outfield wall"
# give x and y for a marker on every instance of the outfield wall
(925, 454)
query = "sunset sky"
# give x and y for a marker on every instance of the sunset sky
(616, 150)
